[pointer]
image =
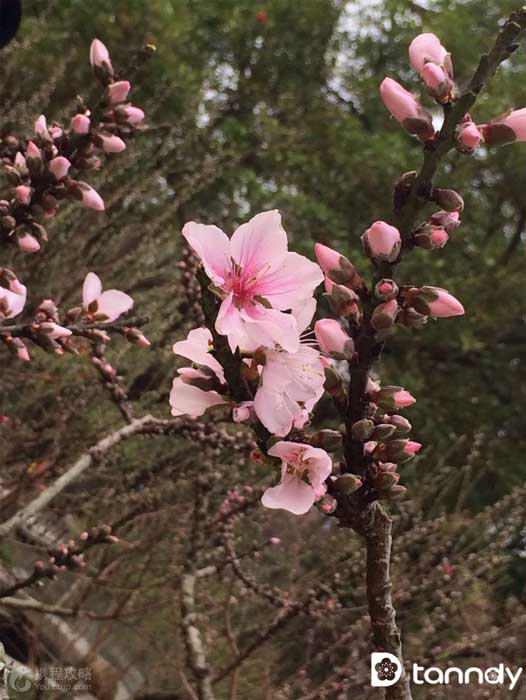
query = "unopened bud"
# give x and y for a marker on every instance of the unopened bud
(348, 483)
(383, 432)
(447, 199)
(384, 315)
(386, 290)
(362, 430)
(329, 440)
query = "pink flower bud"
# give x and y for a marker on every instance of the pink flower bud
(59, 167)
(23, 194)
(242, 412)
(80, 124)
(403, 398)
(111, 144)
(332, 338)
(22, 353)
(275, 540)
(438, 237)
(99, 55)
(384, 315)
(412, 446)
(118, 92)
(91, 198)
(382, 241)
(28, 243)
(33, 151)
(469, 135)
(386, 289)
(450, 220)
(434, 301)
(54, 331)
(328, 259)
(400, 102)
(41, 129)
(506, 128)
(427, 48)
(130, 114)
(445, 305)
(436, 79)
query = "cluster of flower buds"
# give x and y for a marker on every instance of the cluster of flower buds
(39, 172)
(434, 233)
(51, 334)
(433, 63)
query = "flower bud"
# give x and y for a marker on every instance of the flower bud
(26, 242)
(129, 114)
(426, 48)
(437, 82)
(333, 339)
(100, 61)
(337, 267)
(41, 130)
(386, 290)
(110, 143)
(406, 109)
(59, 167)
(401, 424)
(384, 315)
(434, 301)
(431, 237)
(385, 480)
(383, 432)
(23, 194)
(392, 398)
(348, 483)
(80, 124)
(449, 220)
(89, 197)
(506, 128)
(118, 92)
(447, 199)
(333, 383)
(382, 241)
(469, 136)
(134, 335)
(400, 451)
(362, 430)
(343, 301)
(328, 440)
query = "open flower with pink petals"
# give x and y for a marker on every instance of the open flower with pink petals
(191, 393)
(304, 470)
(291, 383)
(258, 278)
(103, 306)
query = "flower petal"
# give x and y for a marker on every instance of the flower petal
(291, 494)
(92, 288)
(212, 247)
(260, 242)
(269, 327)
(196, 349)
(188, 400)
(113, 303)
(274, 411)
(295, 279)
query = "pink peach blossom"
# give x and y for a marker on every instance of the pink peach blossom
(469, 135)
(403, 398)
(435, 77)
(304, 470)
(59, 167)
(445, 304)
(106, 306)
(258, 278)
(186, 397)
(439, 237)
(290, 383)
(383, 241)
(41, 129)
(54, 331)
